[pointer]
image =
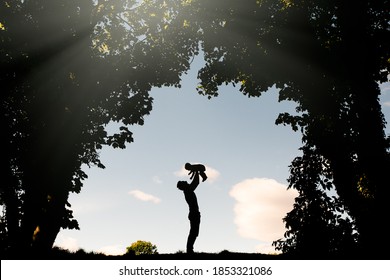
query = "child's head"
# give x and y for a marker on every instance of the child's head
(181, 185)
(187, 166)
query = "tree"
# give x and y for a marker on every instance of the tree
(343, 120)
(68, 69)
(311, 50)
(142, 248)
(318, 226)
(328, 57)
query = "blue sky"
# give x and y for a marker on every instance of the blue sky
(243, 201)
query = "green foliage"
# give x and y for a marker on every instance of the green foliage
(68, 69)
(319, 224)
(95, 62)
(142, 248)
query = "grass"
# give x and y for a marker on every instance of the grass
(62, 254)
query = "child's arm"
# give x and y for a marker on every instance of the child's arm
(192, 174)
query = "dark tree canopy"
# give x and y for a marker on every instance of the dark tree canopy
(71, 67)
(68, 68)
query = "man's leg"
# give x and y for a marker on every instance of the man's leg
(194, 232)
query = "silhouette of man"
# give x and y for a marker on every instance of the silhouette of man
(194, 214)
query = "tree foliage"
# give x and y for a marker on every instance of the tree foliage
(319, 225)
(68, 68)
(71, 67)
(142, 248)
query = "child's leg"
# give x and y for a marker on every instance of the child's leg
(203, 175)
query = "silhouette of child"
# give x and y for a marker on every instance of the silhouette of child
(193, 168)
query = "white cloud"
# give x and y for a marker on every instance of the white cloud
(157, 180)
(212, 174)
(67, 243)
(144, 196)
(386, 104)
(112, 250)
(181, 173)
(266, 248)
(260, 206)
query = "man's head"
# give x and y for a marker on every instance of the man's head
(181, 185)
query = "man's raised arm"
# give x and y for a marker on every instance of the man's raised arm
(195, 181)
